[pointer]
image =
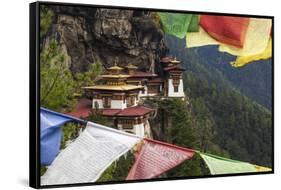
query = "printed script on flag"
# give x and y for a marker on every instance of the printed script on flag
(84, 160)
(156, 158)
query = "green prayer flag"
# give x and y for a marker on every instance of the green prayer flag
(194, 24)
(178, 24)
(220, 165)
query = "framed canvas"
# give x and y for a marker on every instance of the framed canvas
(122, 94)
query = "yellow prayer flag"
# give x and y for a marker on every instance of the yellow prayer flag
(257, 36)
(262, 169)
(243, 60)
(200, 38)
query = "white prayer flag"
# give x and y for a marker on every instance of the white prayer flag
(89, 155)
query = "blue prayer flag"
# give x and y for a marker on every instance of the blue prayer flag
(51, 134)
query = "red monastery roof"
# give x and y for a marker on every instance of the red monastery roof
(84, 108)
(135, 111)
(127, 112)
(156, 80)
(110, 112)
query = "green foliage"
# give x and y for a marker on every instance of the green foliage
(193, 167)
(204, 123)
(46, 16)
(183, 133)
(118, 171)
(56, 83)
(179, 129)
(43, 169)
(95, 116)
(87, 78)
(70, 132)
(234, 126)
(212, 66)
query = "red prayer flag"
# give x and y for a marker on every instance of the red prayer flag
(226, 29)
(157, 157)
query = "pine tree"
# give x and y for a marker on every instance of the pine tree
(56, 82)
(46, 16)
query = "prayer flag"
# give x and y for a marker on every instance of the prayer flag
(243, 60)
(256, 40)
(226, 29)
(194, 24)
(262, 169)
(85, 159)
(178, 24)
(220, 165)
(155, 158)
(50, 134)
(200, 38)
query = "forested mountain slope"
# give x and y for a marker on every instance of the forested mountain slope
(231, 107)
(254, 80)
(231, 123)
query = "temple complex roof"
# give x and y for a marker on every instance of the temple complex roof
(127, 112)
(156, 80)
(131, 66)
(110, 112)
(84, 109)
(115, 76)
(125, 87)
(170, 60)
(170, 68)
(175, 61)
(115, 67)
(115, 81)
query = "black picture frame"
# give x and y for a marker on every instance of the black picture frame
(34, 93)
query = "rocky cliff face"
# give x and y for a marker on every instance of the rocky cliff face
(107, 35)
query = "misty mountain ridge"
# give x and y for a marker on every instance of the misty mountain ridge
(253, 80)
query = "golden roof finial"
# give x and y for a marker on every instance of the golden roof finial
(131, 66)
(175, 60)
(115, 67)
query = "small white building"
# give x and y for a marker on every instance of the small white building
(173, 86)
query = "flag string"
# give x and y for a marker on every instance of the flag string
(170, 155)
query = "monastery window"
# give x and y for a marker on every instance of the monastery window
(106, 102)
(127, 124)
(130, 101)
(176, 81)
(176, 88)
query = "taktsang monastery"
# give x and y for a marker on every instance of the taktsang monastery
(118, 94)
